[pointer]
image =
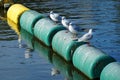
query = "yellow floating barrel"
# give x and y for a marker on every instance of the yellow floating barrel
(64, 44)
(90, 60)
(15, 11)
(111, 72)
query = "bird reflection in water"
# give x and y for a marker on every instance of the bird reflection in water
(19, 41)
(28, 53)
(54, 72)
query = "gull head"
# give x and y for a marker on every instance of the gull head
(90, 31)
(51, 12)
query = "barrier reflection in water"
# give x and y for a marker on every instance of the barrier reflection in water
(15, 27)
(29, 41)
(27, 38)
(43, 50)
(62, 66)
(67, 69)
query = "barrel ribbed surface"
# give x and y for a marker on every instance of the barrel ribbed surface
(45, 29)
(64, 44)
(111, 72)
(90, 60)
(28, 20)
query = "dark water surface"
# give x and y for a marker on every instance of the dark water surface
(29, 60)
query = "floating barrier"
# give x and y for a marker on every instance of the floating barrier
(64, 44)
(28, 20)
(90, 60)
(45, 29)
(111, 72)
(15, 11)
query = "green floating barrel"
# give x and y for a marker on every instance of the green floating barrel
(64, 44)
(111, 72)
(45, 29)
(28, 20)
(90, 60)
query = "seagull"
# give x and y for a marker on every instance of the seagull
(86, 36)
(54, 16)
(65, 22)
(74, 28)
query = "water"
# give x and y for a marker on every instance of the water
(27, 61)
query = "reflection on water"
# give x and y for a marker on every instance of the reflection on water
(101, 15)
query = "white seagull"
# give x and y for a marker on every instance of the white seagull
(65, 22)
(86, 37)
(74, 28)
(54, 16)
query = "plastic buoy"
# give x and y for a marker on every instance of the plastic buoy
(28, 20)
(111, 72)
(15, 11)
(90, 60)
(45, 29)
(64, 44)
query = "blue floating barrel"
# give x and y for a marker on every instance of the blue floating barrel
(45, 29)
(64, 44)
(28, 20)
(90, 60)
(111, 72)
